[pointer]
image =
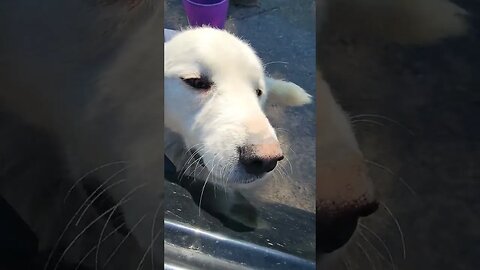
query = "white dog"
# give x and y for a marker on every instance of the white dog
(215, 91)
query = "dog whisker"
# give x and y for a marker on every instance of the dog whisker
(196, 162)
(152, 232)
(149, 248)
(101, 235)
(228, 171)
(381, 241)
(347, 266)
(223, 173)
(193, 147)
(282, 171)
(123, 240)
(384, 118)
(65, 230)
(79, 264)
(192, 155)
(220, 174)
(231, 169)
(367, 121)
(290, 146)
(92, 200)
(289, 163)
(90, 172)
(80, 234)
(204, 165)
(389, 171)
(347, 263)
(122, 201)
(398, 227)
(375, 248)
(276, 176)
(290, 149)
(203, 188)
(200, 158)
(116, 229)
(279, 177)
(274, 62)
(283, 130)
(366, 255)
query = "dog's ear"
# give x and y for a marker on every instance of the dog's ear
(286, 93)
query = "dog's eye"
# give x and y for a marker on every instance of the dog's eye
(198, 83)
(259, 92)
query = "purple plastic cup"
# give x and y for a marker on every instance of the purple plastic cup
(206, 12)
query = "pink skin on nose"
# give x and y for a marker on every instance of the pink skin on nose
(261, 138)
(268, 150)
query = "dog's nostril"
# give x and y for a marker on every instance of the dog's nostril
(255, 164)
(269, 164)
(258, 166)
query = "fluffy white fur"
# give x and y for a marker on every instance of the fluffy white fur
(286, 93)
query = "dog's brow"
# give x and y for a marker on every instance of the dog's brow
(190, 75)
(194, 73)
(260, 83)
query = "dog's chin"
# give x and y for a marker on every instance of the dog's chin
(237, 178)
(243, 180)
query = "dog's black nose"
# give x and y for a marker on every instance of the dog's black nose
(335, 228)
(255, 164)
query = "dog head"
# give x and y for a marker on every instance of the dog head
(215, 91)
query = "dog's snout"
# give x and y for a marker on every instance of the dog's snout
(344, 194)
(336, 224)
(260, 159)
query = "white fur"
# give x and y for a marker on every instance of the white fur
(287, 93)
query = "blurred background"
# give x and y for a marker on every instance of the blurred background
(407, 73)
